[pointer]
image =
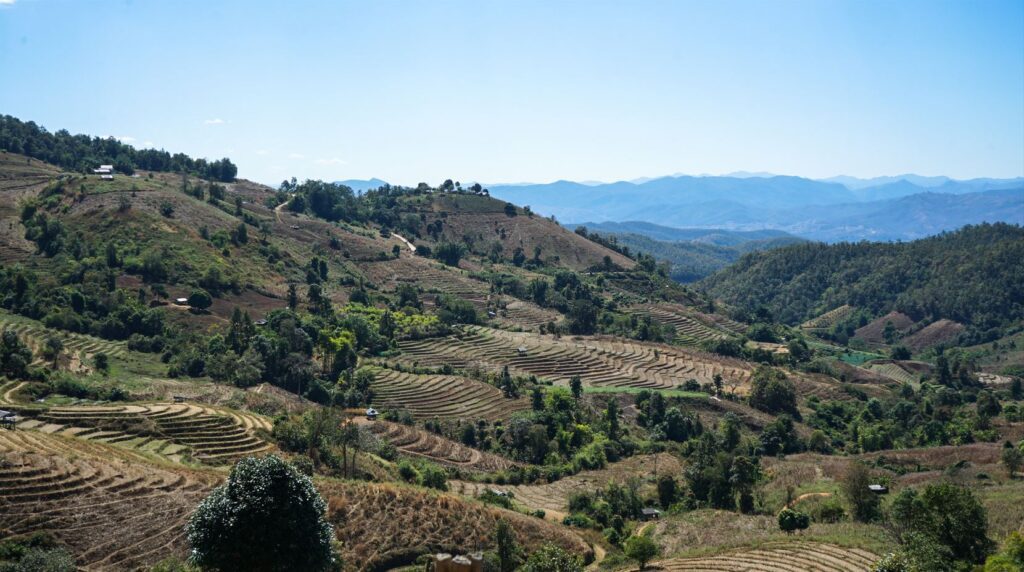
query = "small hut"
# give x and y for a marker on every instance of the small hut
(371, 414)
(8, 419)
(879, 489)
(521, 350)
(650, 514)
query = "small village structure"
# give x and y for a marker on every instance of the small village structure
(105, 172)
(8, 419)
(879, 489)
(650, 514)
(371, 414)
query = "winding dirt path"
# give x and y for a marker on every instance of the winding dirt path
(8, 395)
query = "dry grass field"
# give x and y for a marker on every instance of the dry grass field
(114, 511)
(778, 557)
(383, 525)
(828, 319)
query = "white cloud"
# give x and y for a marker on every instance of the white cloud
(216, 121)
(296, 156)
(122, 138)
(262, 152)
(6, 2)
(148, 144)
(331, 161)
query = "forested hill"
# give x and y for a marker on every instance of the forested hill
(83, 153)
(974, 276)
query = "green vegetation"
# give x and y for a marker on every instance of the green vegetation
(267, 516)
(83, 153)
(929, 279)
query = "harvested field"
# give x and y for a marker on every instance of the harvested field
(554, 497)
(34, 335)
(874, 332)
(112, 512)
(893, 371)
(442, 396)
(385, 526)
(423, 444)
(601, 362)
(780, 557)
(165, 430)
(828, 319)
(932, 335)
(691, 326)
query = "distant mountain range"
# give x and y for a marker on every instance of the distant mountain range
(897, 208)
(362, 185)
(692, 253)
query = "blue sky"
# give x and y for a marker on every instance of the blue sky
(512, 91)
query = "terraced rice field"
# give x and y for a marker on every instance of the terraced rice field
(165, 430)
(787, 557)
(893, 371)
(112, 511)
(388, 525)
(420, 443)
(691, 326)
(599, 362)
(554, 497)
(443, 396)
(828, 319)
(526, 315)
(34, 334)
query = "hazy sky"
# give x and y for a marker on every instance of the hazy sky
(531, 91)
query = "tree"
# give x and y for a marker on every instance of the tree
(167, 209)
(200, 299)
(267, 517)
(1012, 458)
(642, 549)
(101, 362)
(945, 517)
(1010, 558)
(864, 504)
(771, 391)
(293, 296)
(611, 418)
(576, 387)
(510, 210)
(52, 349)
(668, 490)
(507, 549)
(551, 558)
(791, 520)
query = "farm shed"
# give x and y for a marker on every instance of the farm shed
(371, 414)
(8, 419)
(521, 350)
(104, 170)
(878, 489)
(650, 514)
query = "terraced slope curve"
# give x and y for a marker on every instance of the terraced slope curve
(34, 334)
(113, 512)
(415, 442)
(599, 362)
(169, 430)
(828, 319)
(691, 326)
(554, 497)
(387, 526)
(788, 557)
(443, 396)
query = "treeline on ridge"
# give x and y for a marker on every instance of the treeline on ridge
(83, 153)
(973, 275)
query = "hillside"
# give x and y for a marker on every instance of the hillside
(972, 276)
(159, 327)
